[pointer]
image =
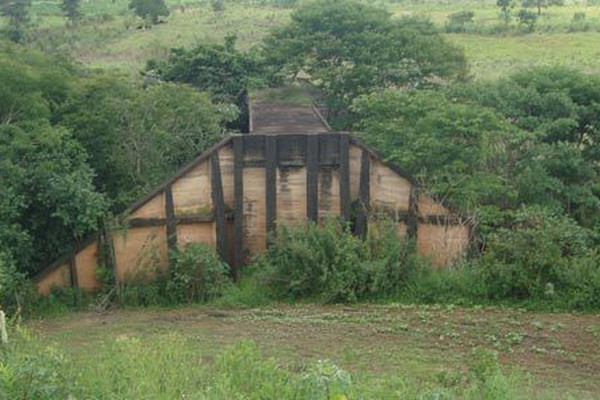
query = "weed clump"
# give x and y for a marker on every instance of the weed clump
(331, 264)
(135, 367)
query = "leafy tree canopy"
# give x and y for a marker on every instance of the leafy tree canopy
(71, 147)
(72, 10)
(32, 84)
(17, 13)
(222, 70)
(558, 105)
(452, 147)
(149, 10)
(352, 48)
(48, 201)
(136, 137)
(529, 139)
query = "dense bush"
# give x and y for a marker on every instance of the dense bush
(149, 10)
(579, 23)
(539, 257)
(459, 22)
(196, 274)
(137, 136)
(461, 284)
(13, 286)
(222, 70)
(352, 48)
(331, 264)
(73, 147)
(527, 19)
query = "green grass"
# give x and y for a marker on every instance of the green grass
(486, 12)
(393, 351)
(116, 42)
(109, 37)
(491, 57)
(166, 366)
(495, 55)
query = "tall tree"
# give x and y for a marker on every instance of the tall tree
(136, 137)
(149, 10)
(222, 70)
(353, 48)
(72, 10)
(17, 13)
(47, 202)
(458, 150)
(528, 139)
(506, 7)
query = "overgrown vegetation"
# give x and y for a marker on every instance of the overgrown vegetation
(195, 275)
(516, 154)
(352, 48)
(160, 366)
(331, 264)
(149, 10)
(542, 260)
(73, 148)
(519, 154)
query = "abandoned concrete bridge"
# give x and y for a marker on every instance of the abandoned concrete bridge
(291, 167)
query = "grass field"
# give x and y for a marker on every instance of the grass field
(492, 57)
(554, 355)
(110, 37)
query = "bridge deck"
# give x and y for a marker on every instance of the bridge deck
(281, 118)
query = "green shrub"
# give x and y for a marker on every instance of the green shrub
(328, 262)
(579, 23)
(58, 302)
(143, 293)
(460, 284)
(31, 371)
(312, 261)
(528, 19)
(486, 378)
(218, 6)
(459, 22)
(196, 274)
(13, 286)
(521, 262)
(577, 284)
(247, 292)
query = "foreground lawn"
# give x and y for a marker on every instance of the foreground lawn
(553, 355)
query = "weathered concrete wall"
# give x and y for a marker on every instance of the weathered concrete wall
(234, 195)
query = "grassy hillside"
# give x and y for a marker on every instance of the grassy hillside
(557, 39)
(110, 37)
(491, 57)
